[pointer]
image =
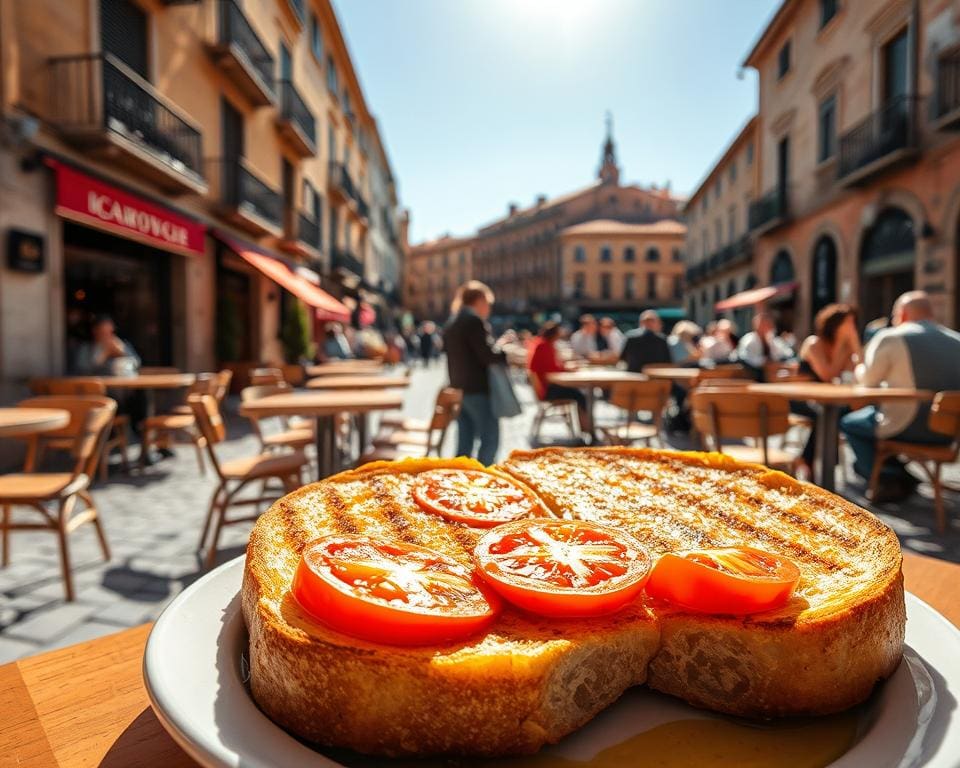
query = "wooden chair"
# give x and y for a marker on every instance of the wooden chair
(219, 387)
(55, 494)
(726, 372)
(631, 397)
(565, 410)
(723, 414)
(289, 437)
(402, 443)
(944, 419)
(117, 438)
(266, 376)
(236, 474)
(162, 429)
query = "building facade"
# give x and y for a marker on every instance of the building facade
(718, 243)
(432, 273)
(192, 169)
(859, 160)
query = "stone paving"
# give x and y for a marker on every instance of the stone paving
(153, 522)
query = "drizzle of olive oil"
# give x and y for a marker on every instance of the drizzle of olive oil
(808, 743)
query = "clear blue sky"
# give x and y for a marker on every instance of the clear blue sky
(481, 102)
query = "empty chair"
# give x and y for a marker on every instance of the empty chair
(266, 376)
(234, 475)
(726, 372)
(55, 495)
(165, 427)
(287, 437)
(565, 410)
(944, 419)
(402, 443)
(632, 397)
(415, 429)
(724, 414)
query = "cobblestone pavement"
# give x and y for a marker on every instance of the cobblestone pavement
(153, 522)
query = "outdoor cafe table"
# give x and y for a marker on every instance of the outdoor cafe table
(16, 422)
(324, 407)
(830, 399)
(345, 368)
(588, 379)
(678, 375)
(358, 382)
(86, 705)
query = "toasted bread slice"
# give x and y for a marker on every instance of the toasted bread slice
(823, 652)
(528, 681)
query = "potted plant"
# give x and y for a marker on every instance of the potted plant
(296, 341)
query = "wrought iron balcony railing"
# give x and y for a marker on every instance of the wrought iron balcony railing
(236, 32)
(308, 230)
(340, 179)
(890, 129)
(770, 209)
(97, 94)
(344, 259)
(295, 110)
(241, 190)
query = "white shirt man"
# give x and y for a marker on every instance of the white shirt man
(584, 341)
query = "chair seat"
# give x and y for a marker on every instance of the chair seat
(26, 486)
(919, 451)
(629, 432)
(406, 425)
(264, 465)
(754, 455)
(297, 438)
(298, 422)
(799, 420)
(170, 421)
(402, 437)
(391, 453)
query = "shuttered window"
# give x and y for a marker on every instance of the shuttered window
(123, 33)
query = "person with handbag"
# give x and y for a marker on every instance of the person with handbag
(470, 355)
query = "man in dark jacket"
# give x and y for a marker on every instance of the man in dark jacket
(470, 353)
(646, 345)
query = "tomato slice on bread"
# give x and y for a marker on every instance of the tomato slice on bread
(391, 592)
(563, 568)
(731, 580)
(478, 499)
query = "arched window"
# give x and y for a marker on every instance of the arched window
(653, 254)
(629, 254)
(606, 254)
(579, 254)
(781, 270)
(823, 274)
(887, 262)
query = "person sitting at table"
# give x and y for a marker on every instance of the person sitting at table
(105, 354)
(683, 342)
(610, 338)
(832, 349)
(762, 345)
(583, 341)
(916, 353)
(646, 345)
(335, 344)
(542, 361)
(718, 343)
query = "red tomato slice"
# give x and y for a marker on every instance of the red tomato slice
(563, 568)
(393, 593)
(733, 580)
(479, 499)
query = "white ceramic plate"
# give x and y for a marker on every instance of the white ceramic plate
(194, 668)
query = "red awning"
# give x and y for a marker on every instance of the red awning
(326, 307)
(754, 296)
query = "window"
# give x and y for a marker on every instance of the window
(733, 171)
(895, 57)
(651, 285)
(718, 189)
(629, 285)
(606, 254)
(463, 258)
(316, 37)
(718, 228)
(579, 254)
(579, 284)
(732, 224)
(677, 287)
(332, 85)
(653, 254)
(828, 9)
(783, 61)
(677, 255)
(446, 260)
(629, 254)
(827, 129)
(605, 285)
(749, 154)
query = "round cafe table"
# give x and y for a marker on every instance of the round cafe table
(829, 400)
(345, 368)
(16, 422)
(588, 379)
(324, 407)
(678, 375)
(357, 382)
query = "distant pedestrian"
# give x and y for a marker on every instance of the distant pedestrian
(470, 353)
(428, 342)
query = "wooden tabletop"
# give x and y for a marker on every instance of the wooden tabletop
(315, 403)
(357, 382)
(345, 368)
(26, 421)
(86, 705)
(593, 377)
(150, 381)
(843, 394)
(673, 374)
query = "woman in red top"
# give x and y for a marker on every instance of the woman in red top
(542, 360)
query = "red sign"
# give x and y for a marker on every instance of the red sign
(92, 202)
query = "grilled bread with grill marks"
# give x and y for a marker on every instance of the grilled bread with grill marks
(824, 651)
(530, 681)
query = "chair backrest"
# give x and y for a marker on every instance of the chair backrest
(724, 372)
(733, 414)
(206, 410)
(91, 417)
(945, 415)
(75, 386)
(203, 384)
(266, 376)
(633, 396)
(446, 409)
(224, 378)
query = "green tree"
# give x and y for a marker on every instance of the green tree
(295, 333)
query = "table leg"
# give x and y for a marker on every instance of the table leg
(827, 426)
(327, 463)
(150, 408)
(363, 430)
(591, 402)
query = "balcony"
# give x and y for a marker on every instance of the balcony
(886, 138)
(343, 260)
(769, 212)
(103, 107)
(946, 102)
(340, 182)
(245, 199)
(301, 234)
(296, 122)
(241, 55)
(363, 209)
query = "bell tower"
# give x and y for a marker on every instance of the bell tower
(609, 172)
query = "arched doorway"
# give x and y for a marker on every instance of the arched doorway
(887, 258)
(783, 306)
(823, 278)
